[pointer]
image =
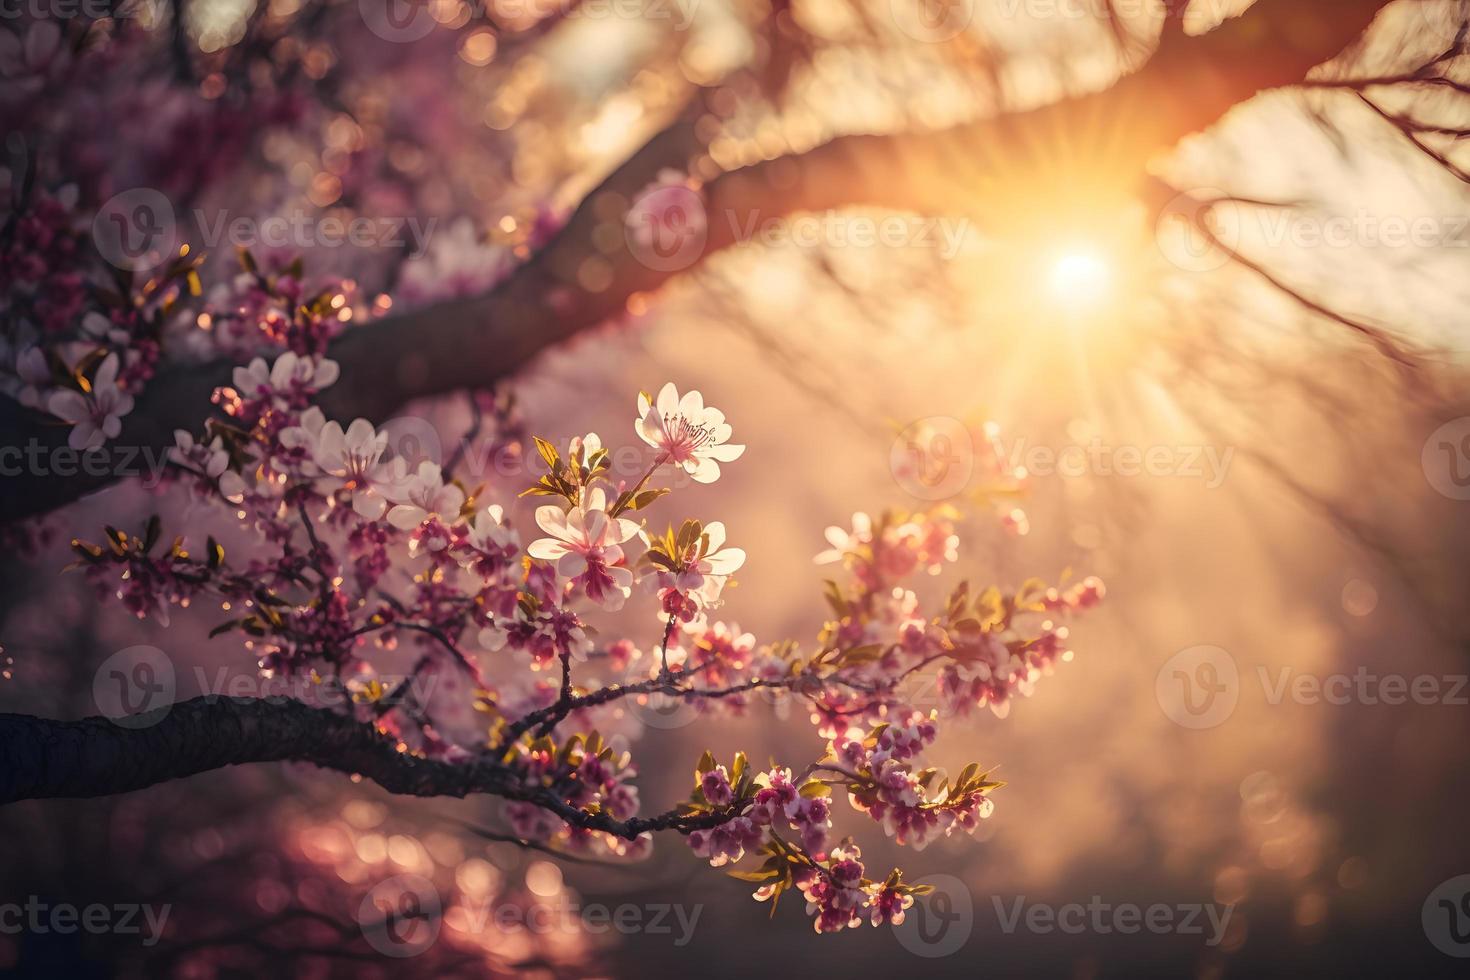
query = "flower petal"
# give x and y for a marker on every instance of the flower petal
(406, 517)
(691, 406)
(726, 452)
(726, 562)
(716, 532)
(369, 505)
(705, 471)
(70, 406)
(668, 400)
(553, 520)
(547, 549)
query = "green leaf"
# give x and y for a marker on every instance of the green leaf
(755, 876)
(866, 653)
(833, 594)
(990, 608)
(969, 627)
(738, 771)
(547, 451)
(648, 497)
(1028, 596)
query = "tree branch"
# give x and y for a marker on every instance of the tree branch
(1013, 170)
(45, 759)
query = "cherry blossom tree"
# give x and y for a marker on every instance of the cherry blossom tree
(269, 378)
(511, 693)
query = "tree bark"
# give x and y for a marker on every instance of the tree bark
(45, 759)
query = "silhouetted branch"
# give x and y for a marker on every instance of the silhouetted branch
(45, 759)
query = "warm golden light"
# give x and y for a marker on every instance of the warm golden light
(1080, 280)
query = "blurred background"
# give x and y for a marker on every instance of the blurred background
(1291, 369)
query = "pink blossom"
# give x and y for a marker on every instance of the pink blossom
(422, 502)
(352, 461)
(97, 415)
(585, 544)
(686, 433)
(715, 785)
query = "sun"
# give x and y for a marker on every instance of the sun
(1080, 280)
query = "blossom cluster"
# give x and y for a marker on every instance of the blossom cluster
(353, 551)
(861, 686)
(356, 556)
(85, 324)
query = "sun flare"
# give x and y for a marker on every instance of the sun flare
(1080, 280)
